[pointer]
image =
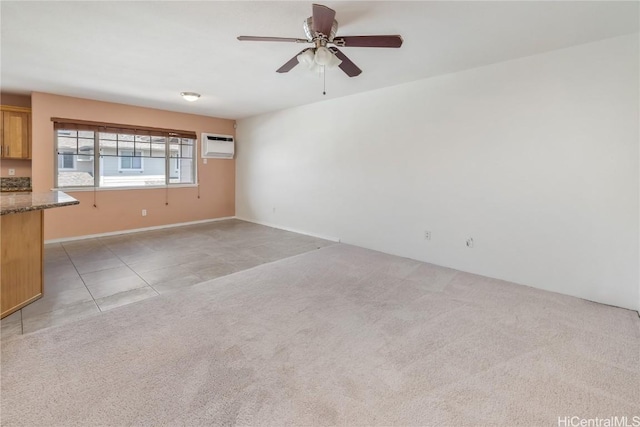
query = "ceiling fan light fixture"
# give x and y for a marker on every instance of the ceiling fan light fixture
(306, 58)
(190, 96)
(323, 56)
(317, 62)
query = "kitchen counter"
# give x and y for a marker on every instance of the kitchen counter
(11, 203)
(22, 246)
(17, 190)
(15, 184)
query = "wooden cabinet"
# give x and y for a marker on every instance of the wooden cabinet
(21, 268)
(15, 132)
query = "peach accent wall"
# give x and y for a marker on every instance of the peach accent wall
(118, 210)
(22, 167)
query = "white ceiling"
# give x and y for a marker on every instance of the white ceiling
(145, 53)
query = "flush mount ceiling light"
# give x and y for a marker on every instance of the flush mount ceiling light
(190, 96)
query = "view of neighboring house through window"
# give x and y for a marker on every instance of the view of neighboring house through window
(75, 158)
(136, 158)
(127, 161)
(66, 161)
(181, 155)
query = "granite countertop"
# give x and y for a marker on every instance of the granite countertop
(24, 202)
(17, 190)
(15, 184)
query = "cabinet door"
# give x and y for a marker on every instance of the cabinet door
(21, 262)
(15, 135)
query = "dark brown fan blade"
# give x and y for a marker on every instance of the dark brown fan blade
(346, 65)
(288, 66)
(271, 39)
(323, 19)
(368, 41)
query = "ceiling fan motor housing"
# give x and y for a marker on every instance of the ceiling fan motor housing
(307, 25)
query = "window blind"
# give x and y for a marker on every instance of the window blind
(80, 125)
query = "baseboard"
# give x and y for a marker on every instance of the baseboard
(293, 230)
(135, 230)
(182, 224)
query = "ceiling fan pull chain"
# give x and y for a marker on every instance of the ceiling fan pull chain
(324, 81)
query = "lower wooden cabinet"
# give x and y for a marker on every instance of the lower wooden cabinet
(21, 268)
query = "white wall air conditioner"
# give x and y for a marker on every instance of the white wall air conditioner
(217, 146)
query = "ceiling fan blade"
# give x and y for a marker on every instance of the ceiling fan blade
(271, 39)
(346, 65)
(368, 41)
(323, 19)
(288, 66)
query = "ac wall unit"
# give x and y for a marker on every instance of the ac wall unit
(216, 146)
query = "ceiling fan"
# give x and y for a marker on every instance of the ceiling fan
(320, 30)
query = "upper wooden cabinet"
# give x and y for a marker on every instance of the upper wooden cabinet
(16, 132)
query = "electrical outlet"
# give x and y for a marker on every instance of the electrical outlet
(470, 242)
(12, 172)
(144, 212)
(427, 235)
(204, 161)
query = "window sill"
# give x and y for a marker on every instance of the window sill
(147, 187)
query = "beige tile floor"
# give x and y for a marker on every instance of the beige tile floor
(86, 277)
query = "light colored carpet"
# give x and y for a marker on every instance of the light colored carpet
(341, 335)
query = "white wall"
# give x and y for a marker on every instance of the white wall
(536, 159)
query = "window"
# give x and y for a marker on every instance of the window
(141, 157)
(75, 158)
(128, 162)
(181, 153)
(66, 161)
